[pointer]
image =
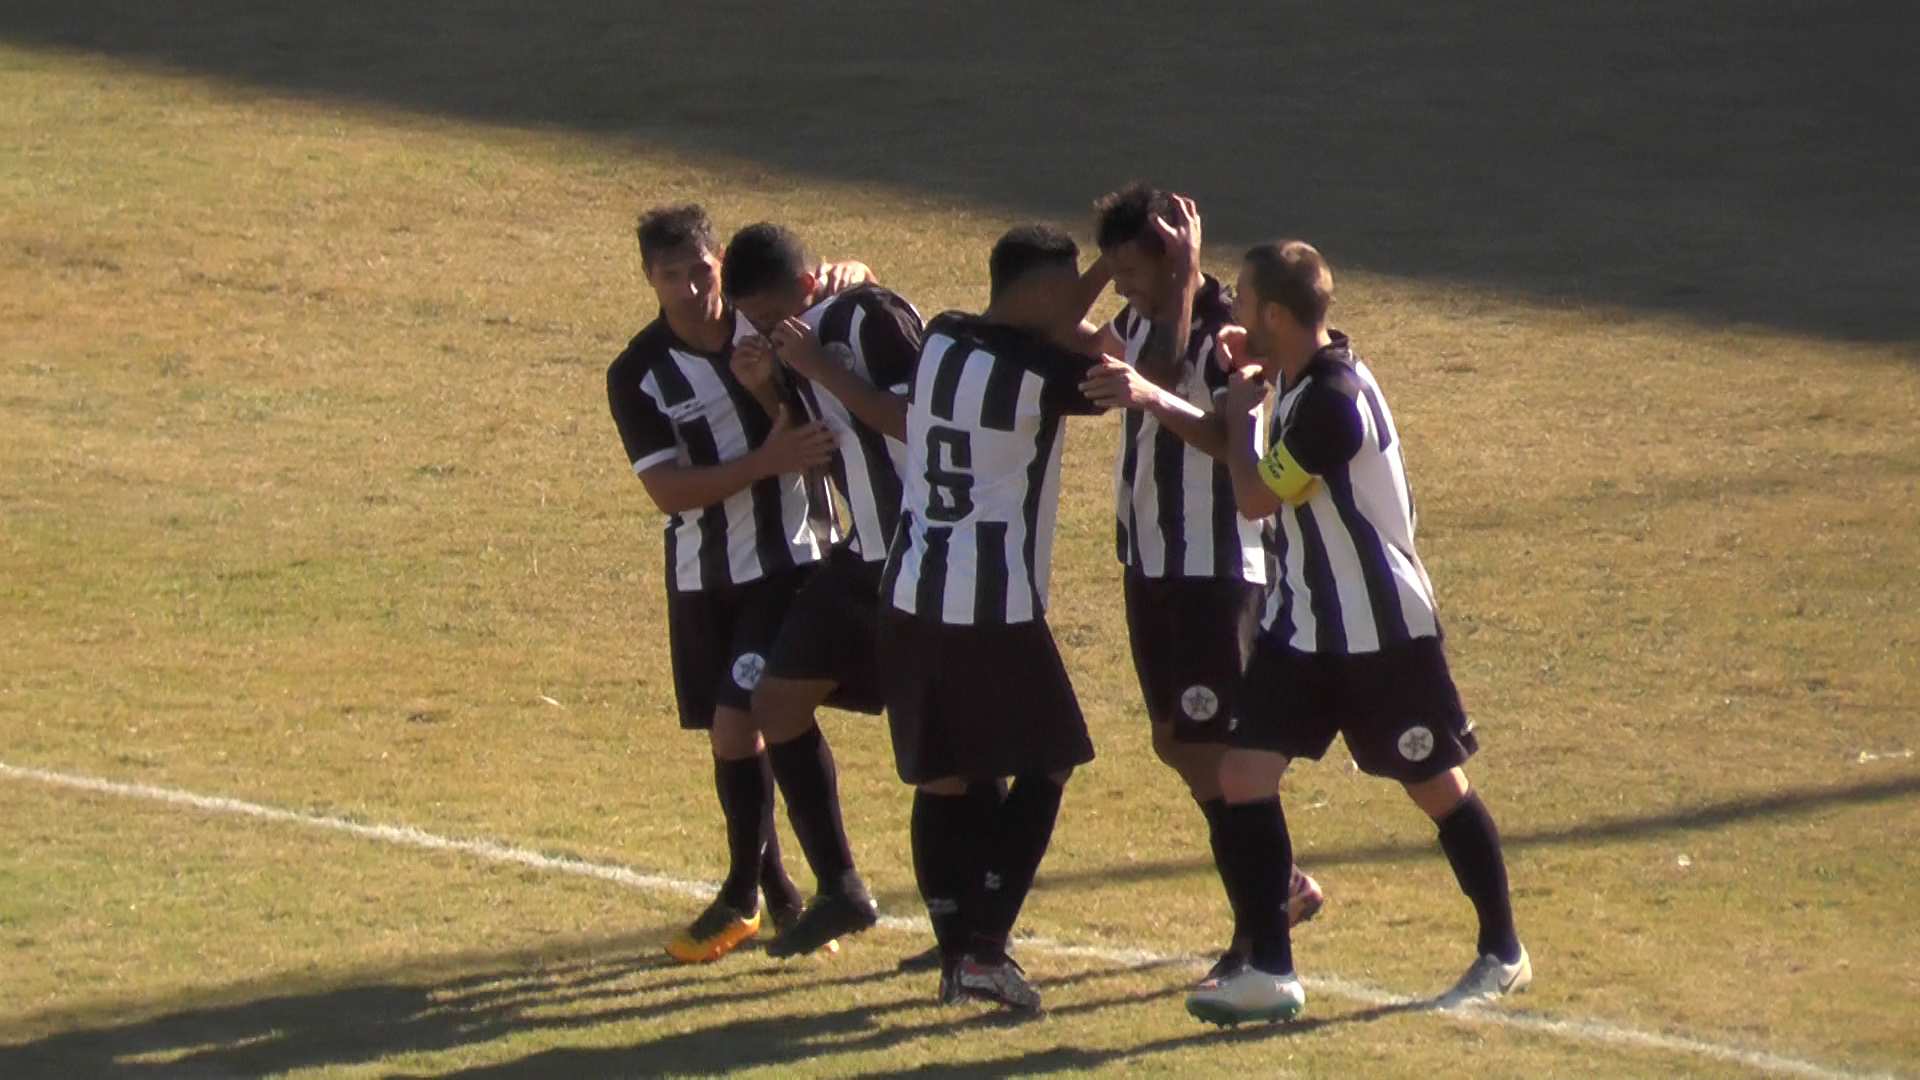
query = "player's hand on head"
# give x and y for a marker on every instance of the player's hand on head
(1178, 224)
(838, 277)
(793, 446)
(799, 348)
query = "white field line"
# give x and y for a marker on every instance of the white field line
(1588, 1031)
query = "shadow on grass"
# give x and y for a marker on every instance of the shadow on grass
(1708, 816)
(1753, 163)
(467, 1002)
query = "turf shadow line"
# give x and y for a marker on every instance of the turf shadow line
(1662, 156)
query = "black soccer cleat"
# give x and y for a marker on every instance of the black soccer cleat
(827, 918)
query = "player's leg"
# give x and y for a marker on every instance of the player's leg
(1199, 637)
(1409, 727)
(826, 654)
(762, 610)
(1471, 842)
(1282, 711)
(1023, 720)
(808, 778)
(952, 834)
(700, 632)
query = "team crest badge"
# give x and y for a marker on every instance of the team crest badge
(1416, 744)
(1200, 703)
(748, 669)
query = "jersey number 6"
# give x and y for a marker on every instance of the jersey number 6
(950, 484)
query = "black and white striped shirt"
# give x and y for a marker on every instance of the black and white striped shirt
(1350, 580)
(1175, 508)
(674, 403)
(975, 542)
(877, 334)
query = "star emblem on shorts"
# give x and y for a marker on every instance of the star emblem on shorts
(1416, 744)
(1200, 703)
(747, 670)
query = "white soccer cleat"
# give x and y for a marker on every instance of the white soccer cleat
(1487, 979)
(1247, 995)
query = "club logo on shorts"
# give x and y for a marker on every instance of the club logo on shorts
(1200, 703)
(1416, 744)
(747, 670)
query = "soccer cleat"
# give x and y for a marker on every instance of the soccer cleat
(829, 917)
(1250, 995)
(1231, 963)
(718, 931)
(1304, 898)
(1003, 983)
(951, 992)
(1487, 979)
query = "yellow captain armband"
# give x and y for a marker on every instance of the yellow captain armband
(1284, 476)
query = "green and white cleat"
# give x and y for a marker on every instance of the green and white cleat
(1487, 979)
(1246, 996)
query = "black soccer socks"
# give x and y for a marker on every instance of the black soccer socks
(947, 835)
(746, 798)
(1026, 818)
(1257, 859)
(1472, 844)
(810, 784)
(782, 894)
(1214, 810)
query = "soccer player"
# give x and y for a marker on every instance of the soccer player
(974, 686)
(1350, 643)
(844, 360)
(1196, 572)
(741, 535)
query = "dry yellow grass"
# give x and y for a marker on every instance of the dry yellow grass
(309, 497)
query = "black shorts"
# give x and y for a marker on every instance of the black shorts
(977, 702)
(1192, 639)
(720, 639)
(1397, 708)
(832, 631)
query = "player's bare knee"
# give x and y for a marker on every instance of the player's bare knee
(782, 708)
(1440, 795)
(1251, 775)
(733, 734)
(951, 785)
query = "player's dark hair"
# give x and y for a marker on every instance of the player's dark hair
(761, 258)
(1126, 215)
(1295, 276)
(1024, 249)
(665, 229)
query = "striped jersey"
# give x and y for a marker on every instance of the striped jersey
(674, 403)
(982, 482)
(1176, 514)
(1350, 581)
(877, 334)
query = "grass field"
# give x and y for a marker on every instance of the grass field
(309, 498)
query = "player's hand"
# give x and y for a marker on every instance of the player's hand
(1178, 224)
(1115, 385)
(792, 447)
(1246, 391)
(752, 362)
(799, 348)
(838, 277)
(1231, 352)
